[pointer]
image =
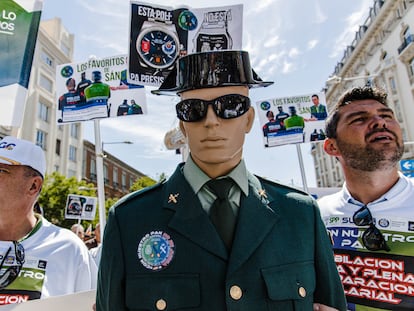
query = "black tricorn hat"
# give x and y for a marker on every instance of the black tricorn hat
(211, 69)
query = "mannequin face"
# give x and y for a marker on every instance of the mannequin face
(216, 144)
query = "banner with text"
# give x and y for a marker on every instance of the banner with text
(19, 24)
(292, 120)
(381, 280)
(97, 88)
(159, 35)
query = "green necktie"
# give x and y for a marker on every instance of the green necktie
(221, 213)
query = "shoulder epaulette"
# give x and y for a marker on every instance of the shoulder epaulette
(286, 187)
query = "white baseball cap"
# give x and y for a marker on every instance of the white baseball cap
(14, 151)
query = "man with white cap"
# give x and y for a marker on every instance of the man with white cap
(214, 236)
(37, 258)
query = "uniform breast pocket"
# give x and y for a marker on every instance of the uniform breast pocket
(162, 292)
(290, 287)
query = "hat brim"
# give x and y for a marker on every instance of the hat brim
(211, 69)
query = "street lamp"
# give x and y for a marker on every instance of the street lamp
(113, 143)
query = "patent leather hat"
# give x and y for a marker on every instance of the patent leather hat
(211, 69)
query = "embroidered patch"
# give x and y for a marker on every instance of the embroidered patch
(156, 250)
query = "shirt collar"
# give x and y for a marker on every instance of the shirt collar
(394, 191)
(197, 178)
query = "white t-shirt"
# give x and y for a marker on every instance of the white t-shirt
(56, 263)
(96, 252)
(379, 279)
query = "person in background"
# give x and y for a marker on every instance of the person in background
(371, 220)
(214, 236)
(96, 251)
(38, 259)
(78, 230)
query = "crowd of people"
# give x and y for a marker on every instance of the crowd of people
(214, 236)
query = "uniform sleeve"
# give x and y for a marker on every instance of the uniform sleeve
(329, 290)
(110, 294)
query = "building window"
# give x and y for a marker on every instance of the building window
(74, 130)
(46, 58)
(46, 83)
(115, 177)
(105, 173)
(411, 64)
(72, 153)
(58, 143)
(123, 181)
(93, 167)
(43, 112)
(65, 49)
(41, 139)
(393, 86)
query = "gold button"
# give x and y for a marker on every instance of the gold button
(161, 304)
(302, 292)
(236, 292)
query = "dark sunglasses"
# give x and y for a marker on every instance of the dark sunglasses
(12, 272)
(372, 237)
(226, 107)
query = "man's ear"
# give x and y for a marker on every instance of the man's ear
(36, 184)
(250, 119)
(330, 147)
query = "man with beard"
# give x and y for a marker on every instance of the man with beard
(371, 220)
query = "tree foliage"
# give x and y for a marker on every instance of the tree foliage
(142, 182)
(55, 191)
(57, 187)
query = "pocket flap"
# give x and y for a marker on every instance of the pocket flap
(293, 281)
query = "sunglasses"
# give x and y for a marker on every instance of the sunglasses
(12, 272)
(226, 107)
(372, 237)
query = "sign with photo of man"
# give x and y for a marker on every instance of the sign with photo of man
(292, 120)
(97, 88)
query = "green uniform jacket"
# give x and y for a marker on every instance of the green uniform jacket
(161, 252)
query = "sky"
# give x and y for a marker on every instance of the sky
(294, 43)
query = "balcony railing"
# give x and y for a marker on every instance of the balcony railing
(406, 43)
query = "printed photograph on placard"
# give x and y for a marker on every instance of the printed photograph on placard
(97, 88)
(292, 120)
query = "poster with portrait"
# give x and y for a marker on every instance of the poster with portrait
(19, 24)
(292, 120)
(95, 89)
(159, 35)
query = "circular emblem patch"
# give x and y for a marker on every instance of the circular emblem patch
(156, 250)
